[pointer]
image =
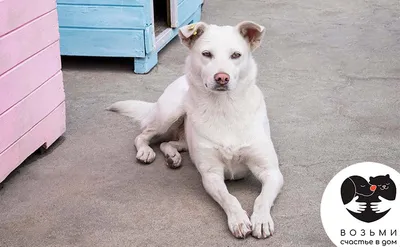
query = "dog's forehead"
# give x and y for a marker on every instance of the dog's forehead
(222, 37)
(215, 29)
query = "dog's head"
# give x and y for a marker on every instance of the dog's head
(221, 56)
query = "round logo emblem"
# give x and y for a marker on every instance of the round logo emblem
(360, 206)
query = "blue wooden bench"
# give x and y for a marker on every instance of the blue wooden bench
(121, 28)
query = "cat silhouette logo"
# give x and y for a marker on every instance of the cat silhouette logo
(368, 201)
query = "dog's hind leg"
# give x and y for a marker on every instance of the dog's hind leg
(171, 152)
(171, 149)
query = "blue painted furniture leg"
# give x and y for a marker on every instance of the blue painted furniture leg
(143, 65)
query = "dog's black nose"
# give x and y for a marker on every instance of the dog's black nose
(221, 78)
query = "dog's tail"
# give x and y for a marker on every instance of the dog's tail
(140, 111)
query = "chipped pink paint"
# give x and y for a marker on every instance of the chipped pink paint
(32, 98)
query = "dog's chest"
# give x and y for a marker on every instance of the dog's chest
(234, 161)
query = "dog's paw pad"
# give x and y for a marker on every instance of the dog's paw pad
(263, 225)
(146, 155)
(174, 160)
(240, 225)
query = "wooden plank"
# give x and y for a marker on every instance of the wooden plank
(173, 13)
(24, 42)
(47, 131)
(15, 13)
(102, 42)
(149, 38)
(29, 75)
(186, 8)
(88, 16)
(105, 2)
(19, 119)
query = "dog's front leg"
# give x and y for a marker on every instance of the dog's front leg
(213, 181)
(264, 165)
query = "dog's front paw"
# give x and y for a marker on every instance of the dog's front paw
(146, 154)
(263, 225)
(239, 224)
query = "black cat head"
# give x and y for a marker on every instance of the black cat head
(385, 186)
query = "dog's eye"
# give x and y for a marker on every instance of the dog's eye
(207, 54)
(235, 55)
(363, 186)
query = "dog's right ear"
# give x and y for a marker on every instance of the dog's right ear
(190, 33)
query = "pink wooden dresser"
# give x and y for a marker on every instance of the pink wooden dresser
(32, 99)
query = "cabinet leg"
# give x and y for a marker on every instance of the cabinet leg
(143, 65)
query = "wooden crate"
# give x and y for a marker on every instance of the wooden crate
(32, 108)
(122, 28)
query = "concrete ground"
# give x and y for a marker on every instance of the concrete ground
(330, 72)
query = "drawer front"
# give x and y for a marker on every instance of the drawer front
(102, 42)
(98, 16)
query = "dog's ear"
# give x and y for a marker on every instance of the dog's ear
(190, 33)
(252, 32)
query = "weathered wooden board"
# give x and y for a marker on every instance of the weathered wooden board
(18, 120)
(46, 132)
(28, 40)
(15, 13)
(105, 2)
(20, 81)
(100, 16)
(102, 42)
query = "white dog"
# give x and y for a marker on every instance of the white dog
(217, 113)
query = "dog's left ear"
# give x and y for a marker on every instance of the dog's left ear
(252, 32)
(190, 33)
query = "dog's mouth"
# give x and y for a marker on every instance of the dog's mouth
(221, 88)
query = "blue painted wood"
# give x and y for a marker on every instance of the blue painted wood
(149, 37)
(101, 16)
(105, 2)
(144, 65)
(117, 28)
(186, 9)
(174, 32)
(102, 42)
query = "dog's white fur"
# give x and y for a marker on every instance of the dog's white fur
(227, 132)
